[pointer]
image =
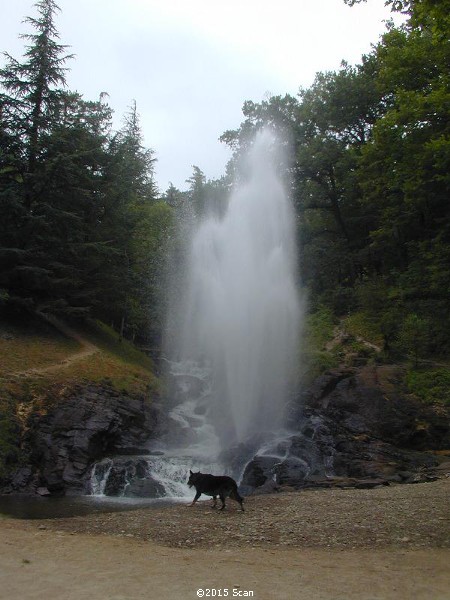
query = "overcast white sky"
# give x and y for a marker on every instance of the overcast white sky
(191, 64)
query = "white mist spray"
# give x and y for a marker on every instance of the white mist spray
(233, 332)
(241, 310)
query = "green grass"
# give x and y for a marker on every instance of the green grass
(430, 384)
(318, 330)
(109, 340)
(36, 344)
(31, 344)
(359, 324)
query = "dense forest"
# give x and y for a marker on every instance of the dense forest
(85, 231)
(370, 181)
(83, 228)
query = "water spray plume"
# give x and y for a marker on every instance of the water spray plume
(235, 326)
(241, 306)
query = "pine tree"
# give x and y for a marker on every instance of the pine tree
(34, 86)
(30, 107)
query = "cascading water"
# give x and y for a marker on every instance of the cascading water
(237, 321)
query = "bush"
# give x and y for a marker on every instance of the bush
(318, 329)
(431, 385)
(9, 437)
(361, 324)
(414, 336)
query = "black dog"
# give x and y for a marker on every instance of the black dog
(212, 485)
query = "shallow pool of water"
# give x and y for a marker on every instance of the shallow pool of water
(31, 507)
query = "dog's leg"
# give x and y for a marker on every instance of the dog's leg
(214, 501)
(235, 495)
(197, 496)
(222, 498)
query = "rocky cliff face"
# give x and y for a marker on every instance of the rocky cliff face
(351, 427)
(90, 423)
(355, 427)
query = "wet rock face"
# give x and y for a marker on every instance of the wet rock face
(349, 428)
(91, 423)
(370, 401)
(355, 427)
(127, 476)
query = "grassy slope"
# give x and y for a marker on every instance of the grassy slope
(429, 381)
(37, 345)
(32, 345)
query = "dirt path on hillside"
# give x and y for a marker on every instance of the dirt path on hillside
(389, 543)
(88, 349)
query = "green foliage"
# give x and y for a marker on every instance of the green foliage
(148, 248)
(197, 191)
(431, 384)
(317, 363)
(83, 232)
(317, 332)
(414, 334)
(319, 327)
(371, 181)
(9, 447)
(110, 341)
(361, 324)
(4, 296)
(75, 196)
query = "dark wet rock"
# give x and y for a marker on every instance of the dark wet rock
(269, 487)
(238, 455)
(21, 478)
(368, 484)
(125, 476)
(356, 428)
(259, 470)
(370, 400)
(351, 427)
(133, 451)
(291, 471)
(92, 422)
(145, 488)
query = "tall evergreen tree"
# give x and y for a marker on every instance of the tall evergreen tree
(30, 107)
(197, 193)
(34, 86)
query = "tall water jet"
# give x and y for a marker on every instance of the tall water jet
(240, 312)
(233, 332)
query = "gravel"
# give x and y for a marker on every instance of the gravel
(406, 516)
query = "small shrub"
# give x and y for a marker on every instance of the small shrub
(318, 330)
(414, 336)
(430, 385)
(360, 324)
(9, 437)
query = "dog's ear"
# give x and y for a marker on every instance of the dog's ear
(191, 472)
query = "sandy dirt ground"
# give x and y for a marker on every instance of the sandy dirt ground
(391, 543)
(38, 564)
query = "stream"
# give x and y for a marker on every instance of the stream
(32, 507)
